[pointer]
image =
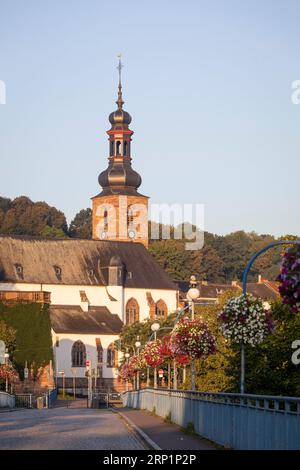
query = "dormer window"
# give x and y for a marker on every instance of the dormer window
(19, 270)
(58, 271)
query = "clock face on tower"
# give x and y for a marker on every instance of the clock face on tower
(131, 234)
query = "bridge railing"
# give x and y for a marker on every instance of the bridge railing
(232, 420)
(6, 400)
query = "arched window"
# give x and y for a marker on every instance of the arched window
(161, 310)
(111, 148)
(112, 356)
(78, 354)
(105, 221)
(132, 312)
(99, 357)
(118, 147)
(125, 148)
(130, 217)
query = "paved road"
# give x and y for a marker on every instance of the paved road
(75, 428)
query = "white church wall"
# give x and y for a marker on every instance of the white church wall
(63, 353)
(98, 296)
(70, 295)
(168, 296)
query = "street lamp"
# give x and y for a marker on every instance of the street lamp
(6, 358)
(192, 295)
(127, 356)
(155, 327)
(138, 345)
(245, 277)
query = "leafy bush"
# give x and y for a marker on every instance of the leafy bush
(33, 334)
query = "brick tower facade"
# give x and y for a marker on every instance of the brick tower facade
(119, 211)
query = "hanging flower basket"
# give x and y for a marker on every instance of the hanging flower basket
(289, 278)
(165, 349)
(138, 362)
(169, 354)
(152, 353)
(126, 372)
(8, 372)
(245, 320)
(192, 338)
(182, 361)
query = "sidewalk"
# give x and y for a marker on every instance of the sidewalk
(164, 436)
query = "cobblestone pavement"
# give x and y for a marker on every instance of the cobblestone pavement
(75, 428)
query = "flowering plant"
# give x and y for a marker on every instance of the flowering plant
(165, 348)
(182, 360)
(8, 372)
(168, 352)
(126, 372)
(138, 362)
(152, 353)
(245, 320)
(192, 338)
(289, 278)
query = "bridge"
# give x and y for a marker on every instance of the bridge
(233, 420)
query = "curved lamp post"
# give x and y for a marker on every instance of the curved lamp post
(192, 295)
(155, 327)
(127, 356)
(245, 276)
(6, 358)
(138, 345)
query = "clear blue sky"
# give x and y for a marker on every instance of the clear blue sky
(208, 84)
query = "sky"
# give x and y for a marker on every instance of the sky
(208, 86)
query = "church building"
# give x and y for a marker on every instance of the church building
(94, 287)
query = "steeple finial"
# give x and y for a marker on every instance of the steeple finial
(120, 101)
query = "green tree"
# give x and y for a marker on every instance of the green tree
(81, 225)
(8, 335)
(208, 265)
(52, 232)
(142, 329)
(24, 217)
(172, 257)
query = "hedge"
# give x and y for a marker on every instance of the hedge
(33, 337)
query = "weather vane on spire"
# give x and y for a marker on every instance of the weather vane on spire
(120, 101)
(120, 66)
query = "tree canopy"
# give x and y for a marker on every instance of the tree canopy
(22, 216)
(222, 259)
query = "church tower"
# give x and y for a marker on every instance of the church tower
(119, 211)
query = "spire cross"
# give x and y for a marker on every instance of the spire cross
(120, 66)
(120, 101)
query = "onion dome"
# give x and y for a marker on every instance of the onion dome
(120, 119)
(120, 176)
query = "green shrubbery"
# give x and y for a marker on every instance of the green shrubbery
(33, 334)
